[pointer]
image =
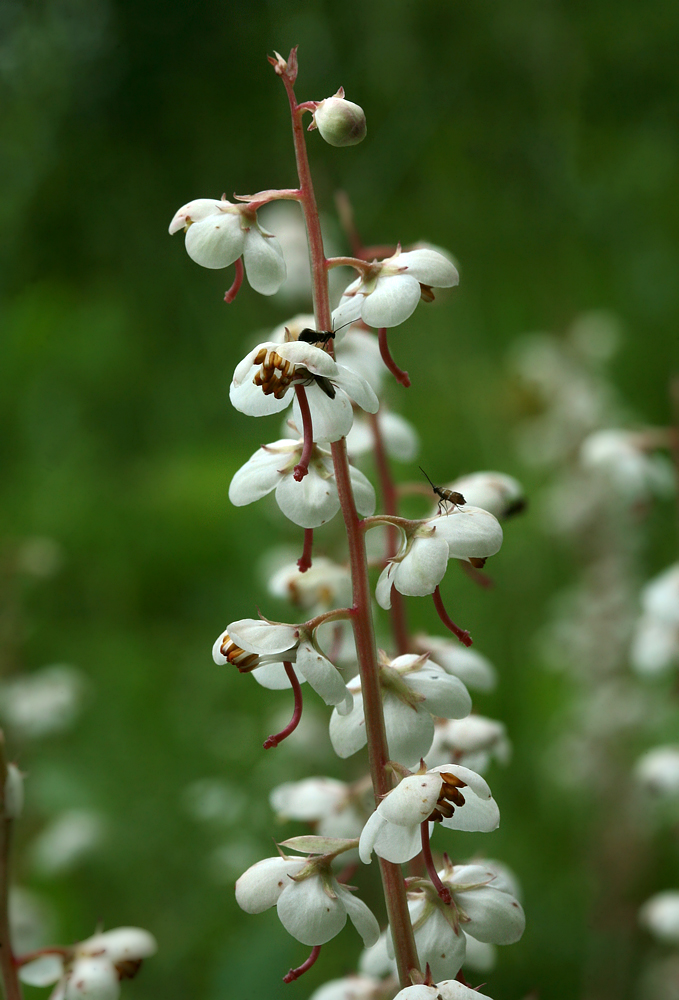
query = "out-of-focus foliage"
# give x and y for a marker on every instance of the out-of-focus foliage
(537, 141)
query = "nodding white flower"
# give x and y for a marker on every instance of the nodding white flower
(473, 669)
(354, 987)
(655, 645)
(335, 808)
(262, 379)
(312, 905)
(400, 438)
(482, 907)
(496, 492)
(660, 916)
(308, 503)
(376, 960)
(262, 647)
(93, 968)
(326, 584)
(623, 459)
(413, 691)
(658, 771)
(450, 794)
(447, 989)
(387, 293)
(466, 533)
(473, 741)
(219, 232)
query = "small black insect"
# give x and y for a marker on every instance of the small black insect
(309, 336)
(445, 496)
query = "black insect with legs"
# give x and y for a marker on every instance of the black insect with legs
(445, 496)
(317, 338)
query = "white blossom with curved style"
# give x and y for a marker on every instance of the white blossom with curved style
(312, 905)
(473, 669)
(262, 380)
(413, 691)
(387, 293)
(308, 503)
(93, 968)
(447, 989)
(393, 830)
(419, 566)
(334, 807)
(262, 647)
(219, 232)
(496, 492)
(326, 584)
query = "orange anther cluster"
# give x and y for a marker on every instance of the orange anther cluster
(275, 374)
(450, 797)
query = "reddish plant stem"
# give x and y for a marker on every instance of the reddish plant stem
(8, 972)
(378, 754)
(237, 282)
(294, 974)
(30, 956)
(399, 622)
(442, 890)
(461, 633)
(397, 372)
(302, 467)
(304, 561)
(277, 738)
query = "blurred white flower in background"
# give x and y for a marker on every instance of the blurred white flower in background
(660, 916)
(66, 841)
(44, 702)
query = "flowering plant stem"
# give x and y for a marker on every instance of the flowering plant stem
(378, 754)
(10, 981)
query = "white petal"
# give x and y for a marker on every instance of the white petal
(217, 241)
(361, 917)
(323, 677)
(59, 991)
(308, 799)
(413, 799)
(424, 566)
(480, 957)
(445, 695)
(260, 886)
(349, 308)
(255, 636)
(480, 811)
(369, 835)
(248, 398)
(347, 732)
(273, 677)
(364, 493)
(439, 945)
(400, 437)
(471, 667)
(93, 978)
(264, 262)
(430, 268)
(360, 351)
(331, 418)
(358, 389)
(120, 944)
(384, 585)
(309, 503)
(470, 532)
(263, 471)
(410, 731)
(398, 844)
(43, 971)
(392, 301)
(195, 211)
(309, 914)
(496, 917)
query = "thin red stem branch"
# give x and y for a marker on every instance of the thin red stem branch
(304, 561)
(461, 633)
(302, 467)
(399, 622)
(30, 956)
(294, 974)
(237, 282)
(443, 891)
(277, 738)
(378, 754)
(397, 372)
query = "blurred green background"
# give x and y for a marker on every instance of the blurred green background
(538, 142)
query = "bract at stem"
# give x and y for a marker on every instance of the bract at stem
(277, 738)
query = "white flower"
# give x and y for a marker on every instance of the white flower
(466, 533)
(312, 905)
(262, 379)
(660, 916)
(448, 989)
(658, 770)
(308, 503)
(471, 667)
(496, 492)
(43, 702)
(388, 292)
(93, 968)
(359, 350)
(261, 647)
(400, 438)
(218, 233)
(340, 122)
(473, 741)
(413, 690)
(623, 460)
(333, 806)
(482, 907)
(450, 794)
(324, 585)
(355, 987)
(655, 645)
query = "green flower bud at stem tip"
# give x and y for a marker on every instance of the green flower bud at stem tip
(340, 122)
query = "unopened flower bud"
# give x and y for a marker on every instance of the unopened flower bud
(340, 122)
(14, 792)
